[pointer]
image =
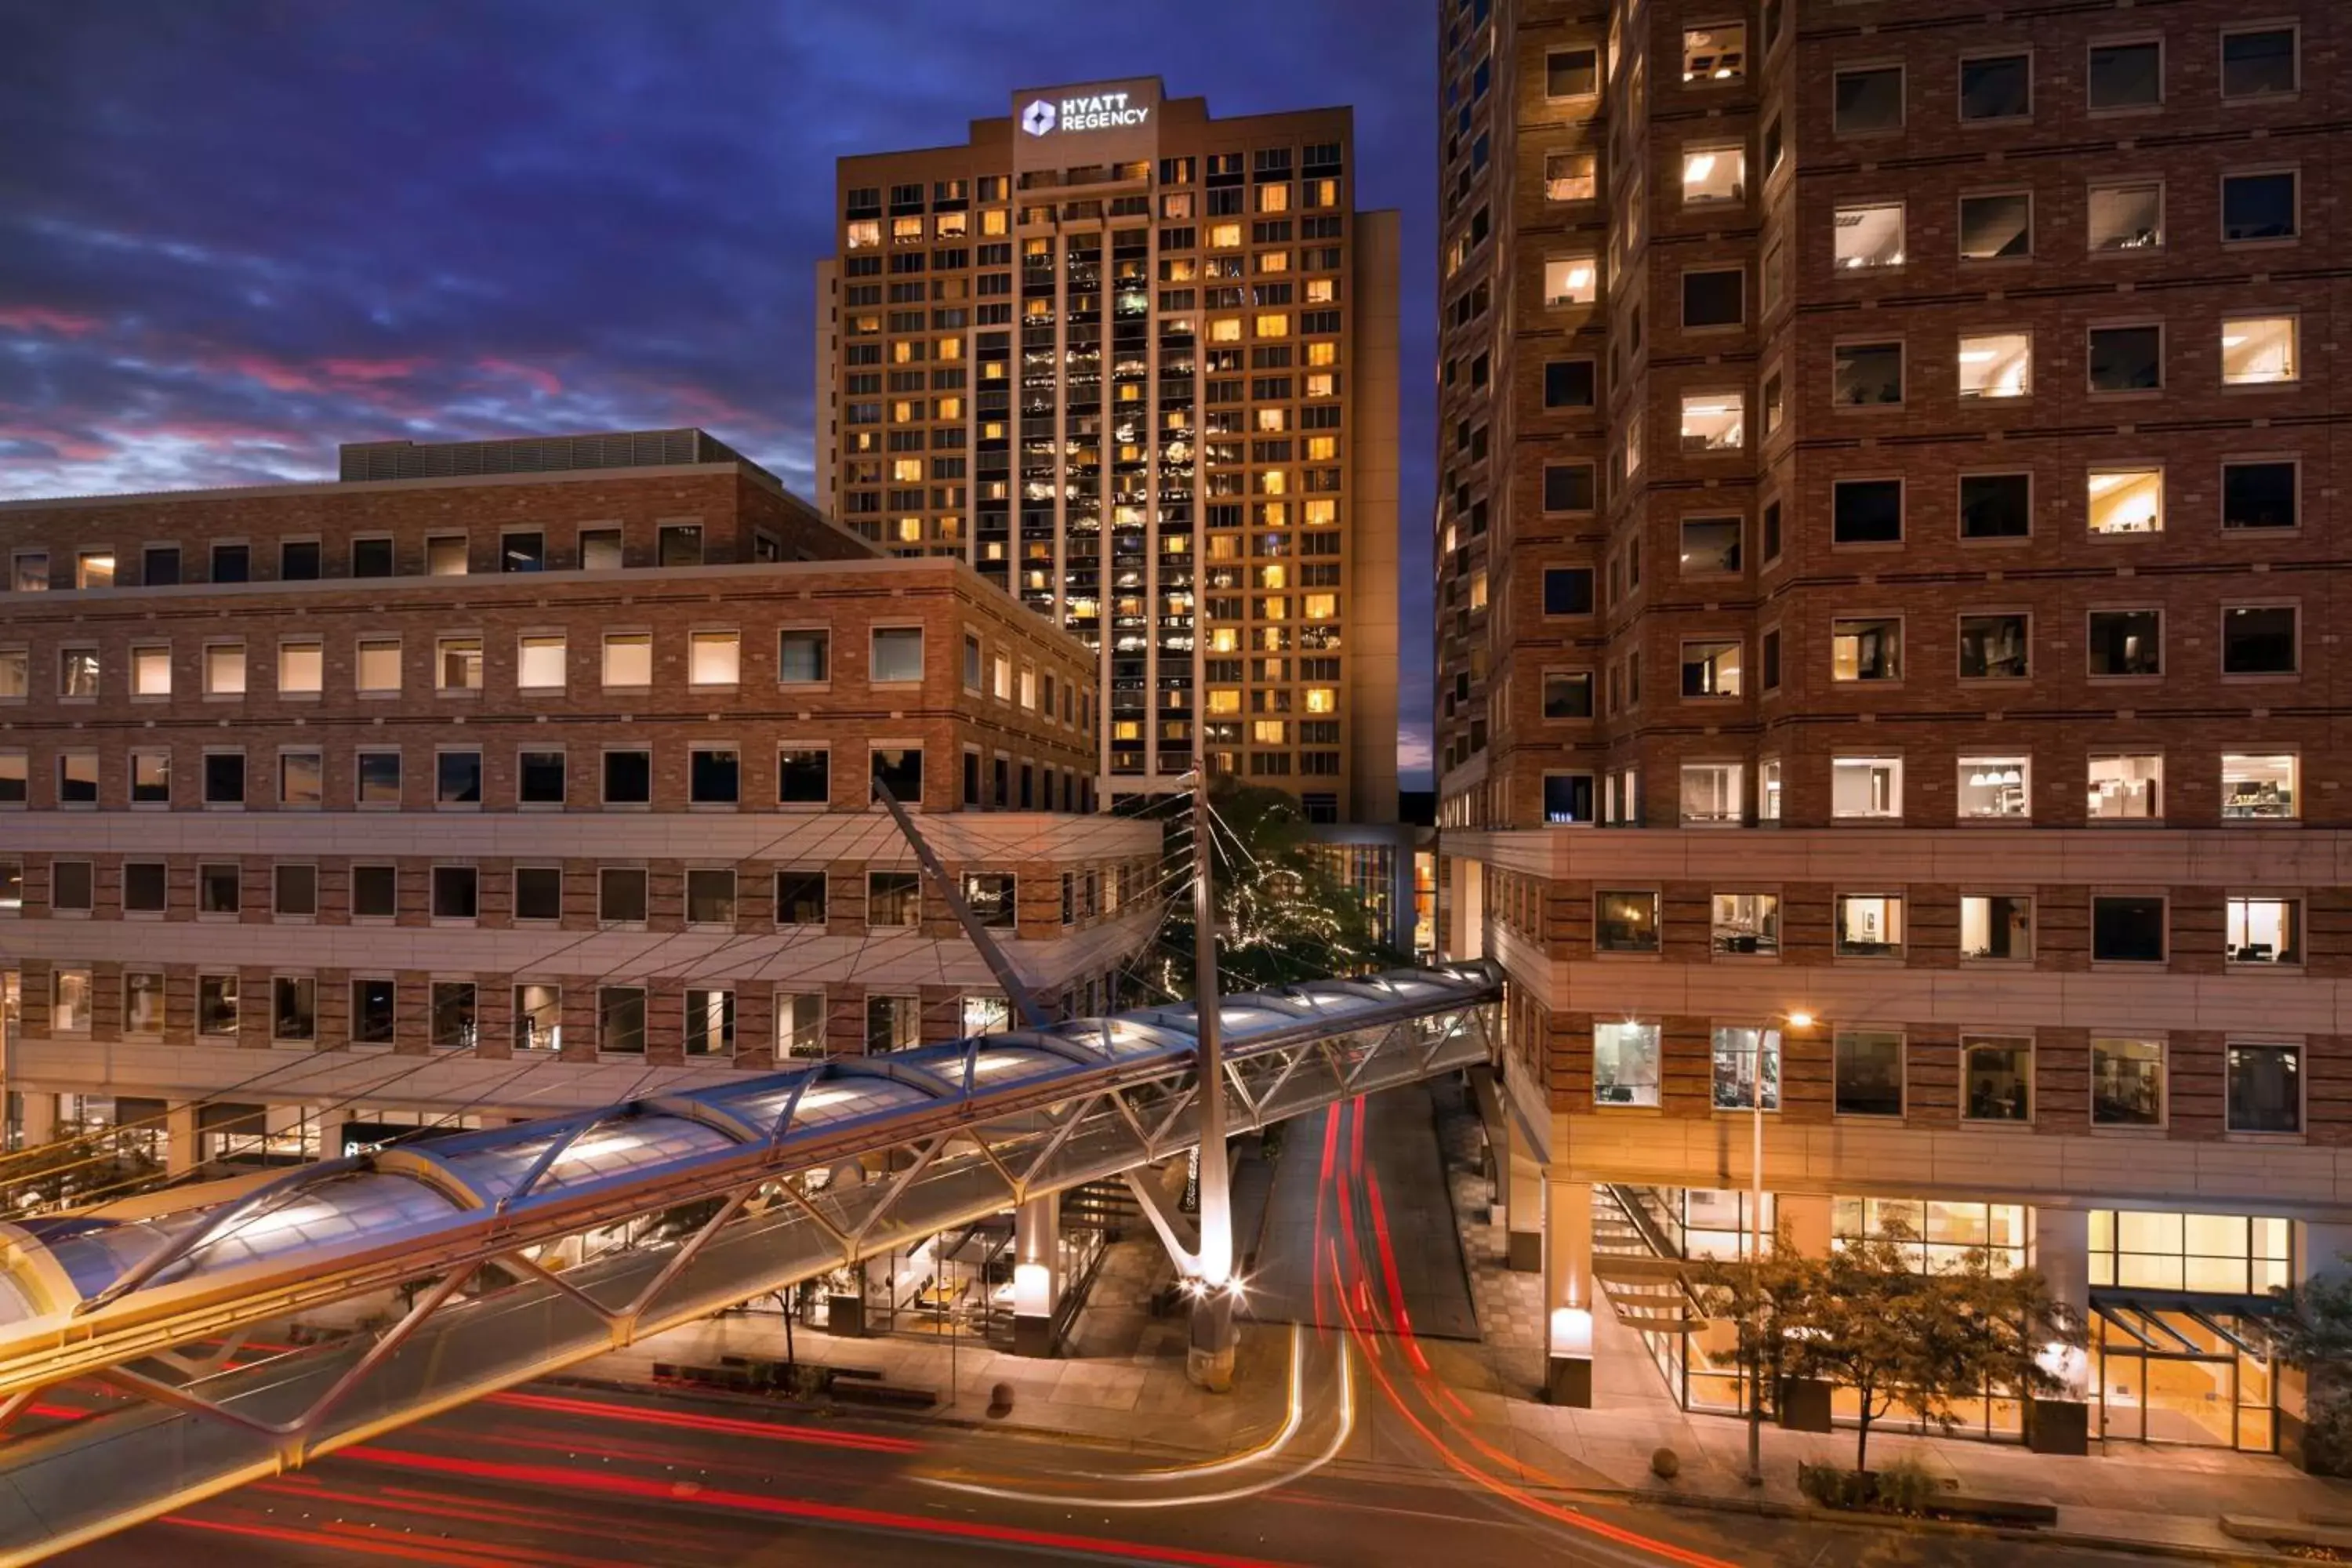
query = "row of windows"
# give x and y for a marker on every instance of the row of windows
(2118, 786)
(597, 547)
(2262, 1080)
(2262, 931)
(543, 663)
(2119, 75)
(623, 1015)
(376, 778)
(712, 895)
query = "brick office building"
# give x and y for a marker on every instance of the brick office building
(1109, 332)
(507, 777)
(1887, 474)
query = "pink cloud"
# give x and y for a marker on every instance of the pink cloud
(545, 381)
(275, 374)
(41, 319)
(371, 369)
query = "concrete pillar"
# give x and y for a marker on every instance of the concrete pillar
(180, 1140)
(2321, 1246)
(1523, 1211)
(329, 1120)
(36, 1119)
(1805, 1219)
(1467, 937)
(1037, 1274)
(2060, 1422)
(1570, 1298)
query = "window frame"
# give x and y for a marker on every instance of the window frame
(2163, 896)
(2096, 111)
(2300, 1052)
(1963, 1043)
(2243, 677)
(1871, 68)
(1838, 1109)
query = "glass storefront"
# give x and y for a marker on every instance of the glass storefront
(2176, 1354)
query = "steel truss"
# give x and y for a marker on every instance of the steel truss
(489, 1305)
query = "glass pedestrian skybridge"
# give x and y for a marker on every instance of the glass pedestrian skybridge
(520, 1250)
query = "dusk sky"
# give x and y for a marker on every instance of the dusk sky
(234, 234)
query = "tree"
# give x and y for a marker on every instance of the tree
(1760, 1301)
(2313, 1335)
(1282, 916)
(1920, 1341)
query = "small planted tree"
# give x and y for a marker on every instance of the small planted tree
(1761, 1301)
(1923, 1342)
(2313, 1335)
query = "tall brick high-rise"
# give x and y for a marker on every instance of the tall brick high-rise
(1886, 599)
(1109, 335)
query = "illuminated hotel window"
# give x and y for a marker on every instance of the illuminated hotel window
(865, 234)
(2126, 787)
(1714, 421)
(1997, 364)
(2258, 349)
(1714, 173)
(1869, 237)
(2258, 787)
(1571, 281)
(2126, 500)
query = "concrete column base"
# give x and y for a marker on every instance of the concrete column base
(1209, 1358)
(1805, 1405)
(2058, 1426)
(845, 1317)
(1032, 1335)
(1523, 1251)
(1568, 1382)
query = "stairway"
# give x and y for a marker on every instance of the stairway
(1632, 1267)
(1107, 1207)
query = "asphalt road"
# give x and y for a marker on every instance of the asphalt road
(552, 1477)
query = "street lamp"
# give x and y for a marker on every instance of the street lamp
(1796, 1018)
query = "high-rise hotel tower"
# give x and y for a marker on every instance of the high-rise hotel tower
(1108, 336)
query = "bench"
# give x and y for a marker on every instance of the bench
(1995, 1511)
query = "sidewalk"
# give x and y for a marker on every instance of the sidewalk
(2133, 1495)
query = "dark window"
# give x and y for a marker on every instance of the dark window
(522, 552)
(2258, 495)
(1864, 374)
(2265, 1089)
(679, 544)
(540, 778)
(455, 893)
(1866, 511)
(803, 776)
(1710, 546)
(1568, 696)
(1567, 590)
(457, 778)
(371, 557)
(2128, 928)
(1993, 647)
(710, 896)
(1869, 100)
(1998, 88)
(70, 883)
(1771, 531)
(1993, 227)
(801, 656)
(621, 895)
(2126, 76)
(2255, 64)
(2126, 642)
(1567, 383)
(2127, 359)
(539, 893)
(1572, 73)
(1769, 658)
(713, 776)
(1715, 298)
(232, 563)
(372, 1012)
(989, 897)
(161, 565)
(800, 898)
(375, 891)
(1568, 797)
(894, 900)
(2258, 640)
(899, 770)
(1996, 506)
(142, 886)
(1869, 1065)
(454, 1017)
(379, 778)
(223, 778)
(297, 560)
(2258, 206)
(1568, 487)
(628, 778)
(621, 1020)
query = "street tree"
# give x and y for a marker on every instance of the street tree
(1924, 1342)
(2313, 1335)
(1282, 916)
(1761, 1301)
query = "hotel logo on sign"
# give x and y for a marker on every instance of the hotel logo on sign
(1112, 111)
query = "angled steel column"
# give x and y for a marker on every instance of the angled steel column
(998, 965)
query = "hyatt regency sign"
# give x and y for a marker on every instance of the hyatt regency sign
(1089, 110)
